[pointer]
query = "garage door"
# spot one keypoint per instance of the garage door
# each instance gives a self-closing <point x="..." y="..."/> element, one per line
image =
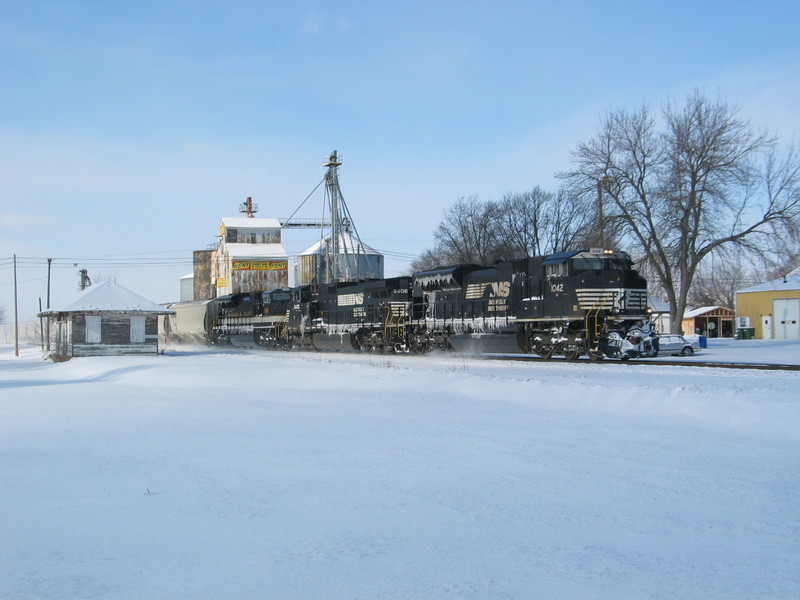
<point x="786" y="322"/>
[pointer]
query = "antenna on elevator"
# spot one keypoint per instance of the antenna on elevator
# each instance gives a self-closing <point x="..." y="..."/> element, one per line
<point x="249" y="208"/>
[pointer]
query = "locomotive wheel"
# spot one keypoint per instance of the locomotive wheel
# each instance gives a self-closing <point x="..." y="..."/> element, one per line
<point x="595" y="356"/>
<point x="361" y="341"/>
<point x="545" y="353"/>
<point x="419" y="347"/>
<point x="572" y="354"/>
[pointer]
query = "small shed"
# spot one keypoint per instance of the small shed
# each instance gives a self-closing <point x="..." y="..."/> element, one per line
<point x="710" y="321"/>
<point x="659" y="314"/>
<point x="105" y="319"/>
<point x="771" y="309"/>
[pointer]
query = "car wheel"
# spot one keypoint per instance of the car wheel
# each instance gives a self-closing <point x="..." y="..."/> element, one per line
<point x="687" y="351"/>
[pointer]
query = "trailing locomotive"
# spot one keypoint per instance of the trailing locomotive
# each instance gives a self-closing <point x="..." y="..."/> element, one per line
<point x="587" y="302"/>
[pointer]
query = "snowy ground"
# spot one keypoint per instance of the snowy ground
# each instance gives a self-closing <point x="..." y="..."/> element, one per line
<point x="746" y="351"/>
<point x="202" y="474"/>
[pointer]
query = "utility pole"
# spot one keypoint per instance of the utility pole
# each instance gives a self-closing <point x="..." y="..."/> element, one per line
<point x="600" y="219"/>
<point x="16" y="314"/>
<point x="41" y="324"/>
<point x="49" y="264"/>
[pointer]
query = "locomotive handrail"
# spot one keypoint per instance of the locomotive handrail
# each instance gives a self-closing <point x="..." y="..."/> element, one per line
<point x="596" y="307"/>
<point x="390" y="323"/>
<point x="282" y="327"/>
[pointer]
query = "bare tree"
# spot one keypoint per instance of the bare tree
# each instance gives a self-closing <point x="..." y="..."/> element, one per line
<point x="427" y="260"/>
<point x="716" y="281"/>
<point x="532" y="223"/>
<point x="469" y="233"/>
<point x="540" y="222"/>
<point x="521" y="220"/>
<point x="106" y="276"/>
<point x="704" y="182"/>
<point x="2" y="314"/>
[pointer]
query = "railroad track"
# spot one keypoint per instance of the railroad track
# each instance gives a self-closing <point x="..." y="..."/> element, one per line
<point x="654" y="363"/>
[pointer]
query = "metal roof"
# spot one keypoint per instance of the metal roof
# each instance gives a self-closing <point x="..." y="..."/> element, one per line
<point x="109" y="296"/>
<point x="239" y="250"/>
<point x="699" y="312"/>
<point x="559" y="257"/>
<point x="254" y="223"/>
<point x="790" y="282"/>
<point x="347" y="243"/>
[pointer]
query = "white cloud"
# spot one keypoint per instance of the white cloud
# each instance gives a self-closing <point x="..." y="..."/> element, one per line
<point x="312" y="25"/>
<point x="18" y="220"/>
<point x="317" y="24"/>
<point x="343" y="24"/>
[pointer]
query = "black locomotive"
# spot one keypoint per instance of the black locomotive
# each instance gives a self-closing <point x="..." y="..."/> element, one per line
<point x="587" y="302"/>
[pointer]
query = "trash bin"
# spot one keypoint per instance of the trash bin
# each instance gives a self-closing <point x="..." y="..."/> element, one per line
<point x="703" y="341"/>
<point x="745" y="333"/>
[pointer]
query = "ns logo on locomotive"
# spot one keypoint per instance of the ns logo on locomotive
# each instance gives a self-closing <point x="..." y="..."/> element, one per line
<point x="588" y="302"/>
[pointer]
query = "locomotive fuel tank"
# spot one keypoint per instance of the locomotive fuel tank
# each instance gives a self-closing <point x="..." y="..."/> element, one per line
<point x="500" y="342"/>
<point x="335" y="341"/>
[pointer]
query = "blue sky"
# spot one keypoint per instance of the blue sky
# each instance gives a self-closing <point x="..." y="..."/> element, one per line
<point x="128" y="129"/>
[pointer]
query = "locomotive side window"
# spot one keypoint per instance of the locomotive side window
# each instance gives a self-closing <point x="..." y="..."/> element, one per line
<point x="556" y="270"/>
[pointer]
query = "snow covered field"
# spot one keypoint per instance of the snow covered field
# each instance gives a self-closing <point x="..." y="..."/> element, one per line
<point x="231" y="474"/>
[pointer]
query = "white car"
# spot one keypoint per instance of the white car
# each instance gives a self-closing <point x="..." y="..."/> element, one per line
<point x="675" y="345"/>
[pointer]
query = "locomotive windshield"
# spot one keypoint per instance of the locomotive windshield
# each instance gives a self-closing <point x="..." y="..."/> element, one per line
<point x="588" y="264"/>
<point x="600" y="264"/>
<point x="618" y="264"/>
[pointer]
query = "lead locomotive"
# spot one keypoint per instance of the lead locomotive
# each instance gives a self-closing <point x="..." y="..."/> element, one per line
<point x="582" y="303"/>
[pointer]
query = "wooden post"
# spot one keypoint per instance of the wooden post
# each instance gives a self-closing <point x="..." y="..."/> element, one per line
<point x="49" y="264"/>
<point x="41" y="324"/>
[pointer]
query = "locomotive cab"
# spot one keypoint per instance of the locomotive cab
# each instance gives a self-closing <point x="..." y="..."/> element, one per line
<point x="580" y="302"/>
<point x="606" y="280"/>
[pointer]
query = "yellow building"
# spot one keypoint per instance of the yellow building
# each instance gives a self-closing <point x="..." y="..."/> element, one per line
<point x="771" y="309"/>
